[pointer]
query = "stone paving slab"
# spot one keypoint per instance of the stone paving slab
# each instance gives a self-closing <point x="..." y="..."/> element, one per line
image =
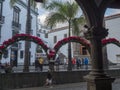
<point x="72" y="86"/>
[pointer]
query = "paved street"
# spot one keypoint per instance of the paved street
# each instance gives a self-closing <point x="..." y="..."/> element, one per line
<point x="72" y="86"/>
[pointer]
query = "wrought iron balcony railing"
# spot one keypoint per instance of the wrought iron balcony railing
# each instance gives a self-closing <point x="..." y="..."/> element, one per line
<point x="16" y="25"/>
<point x="15" y="46"/>
<point x="2" y="19"/>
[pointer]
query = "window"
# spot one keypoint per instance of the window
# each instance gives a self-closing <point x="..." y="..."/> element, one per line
<point x="55" y="39"/>
<point x="2" y="18"/>
<point x="65" y="35"/>
<point x="16" y="12"/>
<point x="1" y="6"/>
<point x="84" y="51"/>
<point x="5" y="54"/>
<point x="21" y="54"/>
<point x="38" y="35"/>
<point x="46" y="35"/>
<point x="20" y="45"/>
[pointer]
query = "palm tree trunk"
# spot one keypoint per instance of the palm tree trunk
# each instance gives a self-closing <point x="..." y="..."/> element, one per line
<point x="69" y="50"/>
<point x="28" y="28"/>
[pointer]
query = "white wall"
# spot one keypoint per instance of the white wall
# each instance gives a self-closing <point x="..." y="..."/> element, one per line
<point x="114" y="32"/>
<point x="60" y="36"/>
<point x="6" y="31"/>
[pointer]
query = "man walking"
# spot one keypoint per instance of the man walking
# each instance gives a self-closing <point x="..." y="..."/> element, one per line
<point x="41" y="63"/>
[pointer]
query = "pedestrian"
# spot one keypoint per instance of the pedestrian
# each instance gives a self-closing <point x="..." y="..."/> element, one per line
<point x="78" y="63"/>
<point x="86" y="63"/>
<point x="8" y="68"/>
<point x="82" y="63"/>
<point x="65" y="62"/>
<point x="57" y="62"/>
<point x="41" y="63"/>
<point x="49" y="79"/>
<point x="36" y="64"/>
<point x="73" y="62"/>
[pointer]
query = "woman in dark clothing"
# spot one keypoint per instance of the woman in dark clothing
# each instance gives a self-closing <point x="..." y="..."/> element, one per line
<point x="49" y="79"/>
<point x="36" y="65"/>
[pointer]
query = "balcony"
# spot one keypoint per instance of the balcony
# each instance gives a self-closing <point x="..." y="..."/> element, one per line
<point x="2" y="19"/>
<point x="15" y="46"/>
<point x="16" y="25"/>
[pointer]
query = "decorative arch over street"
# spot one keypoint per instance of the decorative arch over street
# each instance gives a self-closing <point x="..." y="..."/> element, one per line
<point x="110" y="41"/>
<point x="51" y="53"/>
<point x="20" y="37"/>
<point x="76" y="39"/>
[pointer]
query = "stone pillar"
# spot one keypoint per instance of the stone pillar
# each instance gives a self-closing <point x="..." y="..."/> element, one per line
<point x="105" y="58"/>
<point x="97" y="79"/>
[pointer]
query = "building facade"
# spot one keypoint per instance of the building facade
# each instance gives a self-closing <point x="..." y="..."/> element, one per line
<point x="113" y="51"/>
<point x="77" y="50"/>
<point x="112" y="22"/>
<point x="13" y="21"/>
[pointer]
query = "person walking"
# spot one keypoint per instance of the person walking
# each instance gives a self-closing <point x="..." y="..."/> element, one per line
<point x="78" y="63"/>
<point x="49" y="79"/>
<point x="73" y="62"/>
<point x="86" y="63"/>
<point x="65" y="62"/>
<point x="36" y="64"/>
<point x="41" y="63"/>
<point x="57" y="62"/>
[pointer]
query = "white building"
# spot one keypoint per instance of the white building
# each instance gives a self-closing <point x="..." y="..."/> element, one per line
<point x="113" y="24"/>
<point x="56" y="35"/>
<point x="13" y="21"/>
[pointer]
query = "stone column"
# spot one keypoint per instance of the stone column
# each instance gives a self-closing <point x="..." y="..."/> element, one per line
<point x="97" y="79"/>
<point x="105" y="58"/>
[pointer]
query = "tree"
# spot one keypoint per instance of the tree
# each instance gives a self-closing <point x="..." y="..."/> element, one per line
<point x="28" y="29"/>
<point x="64" y="12"/>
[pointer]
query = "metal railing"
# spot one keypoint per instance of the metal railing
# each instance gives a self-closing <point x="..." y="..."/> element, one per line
<point x="16" y="25"/>
<point x="2" y="19"/>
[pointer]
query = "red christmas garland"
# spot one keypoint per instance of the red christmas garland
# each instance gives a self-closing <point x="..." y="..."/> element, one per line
<point x="27" y="37"/>
<point x="52" y="52"/>
<point x="110" y="40"/>
<point x="71" y="39"/>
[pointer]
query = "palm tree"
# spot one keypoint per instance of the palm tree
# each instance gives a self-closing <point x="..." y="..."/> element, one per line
<point x="28" y="28"/>
<point x="64" y="12"/>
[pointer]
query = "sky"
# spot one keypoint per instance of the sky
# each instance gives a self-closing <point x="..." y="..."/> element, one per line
<point x="112" y="11"/>
<point x="43" y="13"/>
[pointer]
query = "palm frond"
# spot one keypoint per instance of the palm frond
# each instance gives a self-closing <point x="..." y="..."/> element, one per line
<point x="33" y="3"/>
<point x="12" y="2"/>
<point x="54" y="18"/>
<point x="54" y="5"/>
<point x="64" y="12"/>
<point x="76" y="25"/>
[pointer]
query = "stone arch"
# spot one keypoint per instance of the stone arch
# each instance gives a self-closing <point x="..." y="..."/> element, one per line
<point x="91" y="10"/>
<point x="21" y="37"/>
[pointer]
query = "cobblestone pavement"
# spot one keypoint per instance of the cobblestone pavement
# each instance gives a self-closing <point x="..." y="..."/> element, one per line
<point x="72" y="86"/>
